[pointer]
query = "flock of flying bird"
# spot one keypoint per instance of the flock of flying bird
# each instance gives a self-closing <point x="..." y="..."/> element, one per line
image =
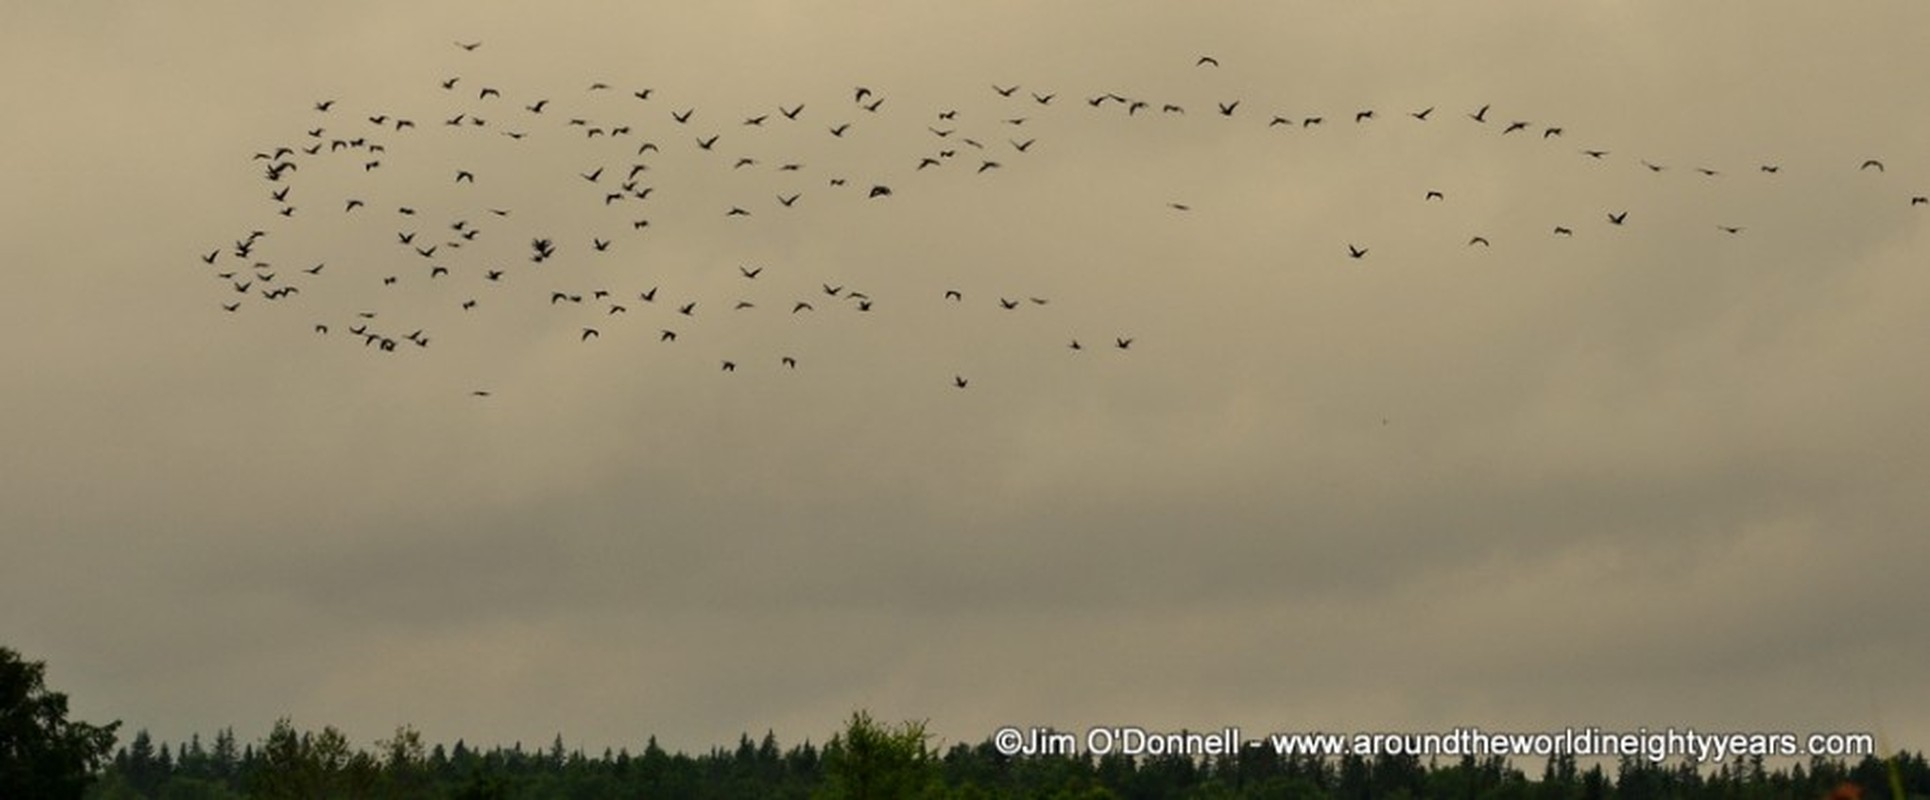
<point x="459" y="252"/>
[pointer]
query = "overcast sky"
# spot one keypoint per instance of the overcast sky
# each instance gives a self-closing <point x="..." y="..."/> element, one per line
<point x="1648" y="474"/>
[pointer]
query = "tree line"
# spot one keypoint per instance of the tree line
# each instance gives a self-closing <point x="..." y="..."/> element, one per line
<point x="44" y="756"/>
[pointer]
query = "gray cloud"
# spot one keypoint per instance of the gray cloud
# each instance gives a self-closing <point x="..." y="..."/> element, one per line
<point x="1647" y="475"/>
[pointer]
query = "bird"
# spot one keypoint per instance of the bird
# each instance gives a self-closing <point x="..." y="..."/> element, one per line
<point x="1872" y="163"/>
<point x="1355" y="252"/>
<point x="791" y="113"/>
<point x="469" y="45"/>
<point x="953" y="294"/>
<point x="1730" y="229"/>
<point x="1226" y="109"/>
<point x="1003" y="91"/>
<point x="667" y="336"/>
<point x="959" y="381"/>
<point x="1561" y="231"/>
<point x="1434" y="195"/>
<point x="587" y="333"/>
<point x="1596" y="154"/>
<point x="880" y="191"/>
<point x="1480" y="240"/>
<point x="1422" y="114"/>
<point x="750" y="273"/>
<point x="1617" y="219"/>
<point x="684" y="116"/>
<point x="1515" y="126"/>
<point x="801" y="306"/>
<point x="1122" y="343"/>
<point x="1480" y="116"/>
<point x="1207" y="61"/>
<point x="687" y="309"/>
<point x="788" y="361"/>
<point x="730" y="366"/>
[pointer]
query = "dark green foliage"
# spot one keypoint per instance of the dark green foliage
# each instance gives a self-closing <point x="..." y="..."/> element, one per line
<point x="42" y="753"/>
<point x="870" y="759"/>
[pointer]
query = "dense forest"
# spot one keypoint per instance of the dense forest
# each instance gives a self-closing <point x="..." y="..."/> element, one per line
<point x="870" y="759"/>
<point x="44" y="756"/>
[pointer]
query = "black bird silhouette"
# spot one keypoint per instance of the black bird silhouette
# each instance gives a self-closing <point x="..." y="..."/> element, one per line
<point x="1003" y="91"/>
<point x="1226" y="109"/>
<point x="1075" y="345"/>
<point x="1362" y="116"/>
<point x="537" y="107"/>
<point x="787" y="200"/>
<point x="1730" y="229"/>
<point x="1434" y="195"/>
<point x="880" y="191"/>
<point x="593" y="176"/>
<point x="488" y="92"/>
<point x="683" y="117"/>
<point x="750" y="273"/>
<point x="953" y="294"/>
<point x="1480" y="116"/>
<point x="1480" y="240"/>
<point x="210" y="257"/>
<point x="1919" y="200"/>
<point x="600" y="244"/>
<point x="234" y="306"/>
<point x="587" y="333"/>
<point x="1561" y="231"/>
<point x="1008" y="304"/>
<point x="1122" y="343"/>
<point x="465" y="175"/>
<point x="1515" y="126"/>
<point x="1207" y="61"/>
<point x="832" y="290"/>
<point x="325" y="105"/>
<point x="469" y="45"/>
<point x="1594" y="153"/>
<point x="667" y="336"/>
<point x="959" y="381"/>
<point x="730" y="366"/>
<point x="1043" y="99"/>
<point x="1617" y="219"/>
<point x="1550" y="132"/>
<point x="1355" y="252"/>
<point x="789" y="362"/>
<point x="451" y="83"/>
<point x="707" y="143"/>
<point x="649" y="296"/>
<point x="791" y="113"/>
<point x="737" y="211"/>
<point x="839" y="130"/>
<point x="873" y="105"/>
<point x="687" y="308"/>
<point x="1421" y="114"/>
<point x="1872" y="163"/>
